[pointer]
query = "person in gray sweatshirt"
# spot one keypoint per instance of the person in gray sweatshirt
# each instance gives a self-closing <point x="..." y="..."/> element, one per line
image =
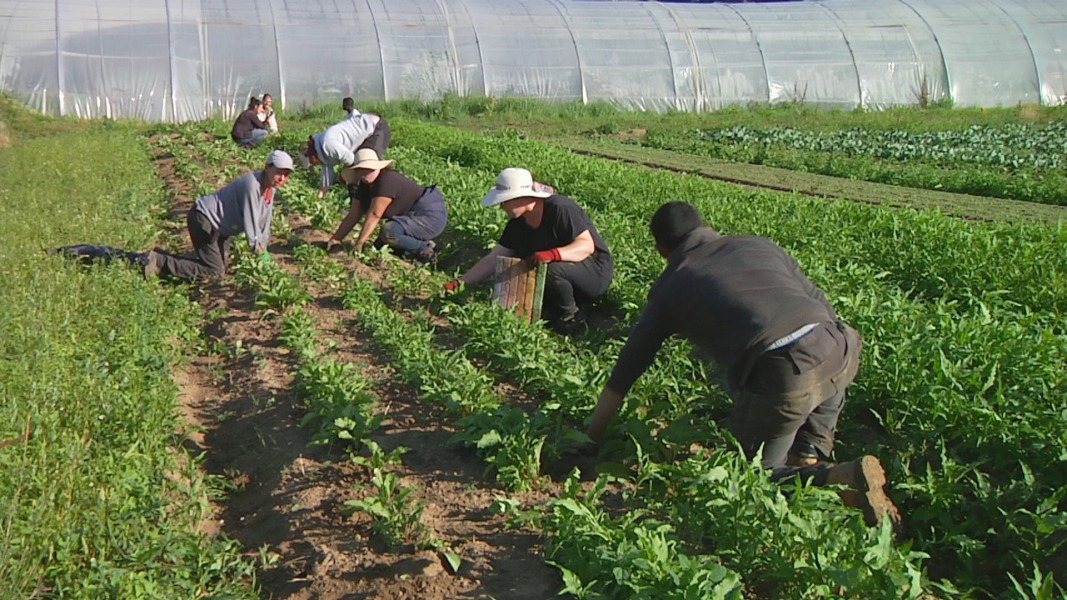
<point x="337" y="146"/>
<point x="245" y="205"/>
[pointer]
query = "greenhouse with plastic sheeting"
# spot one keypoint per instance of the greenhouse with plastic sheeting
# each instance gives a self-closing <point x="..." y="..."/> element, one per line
<point x="171" y="60"/>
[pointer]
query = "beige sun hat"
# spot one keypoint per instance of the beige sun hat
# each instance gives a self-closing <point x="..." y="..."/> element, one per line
<point x="366" y="158"/>
<point x="515" y="182"/>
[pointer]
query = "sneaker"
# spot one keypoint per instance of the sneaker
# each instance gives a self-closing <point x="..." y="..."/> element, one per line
<point x="428" y="254"/>
<point x="866" y="481"/>
<point x="153" y="265"/>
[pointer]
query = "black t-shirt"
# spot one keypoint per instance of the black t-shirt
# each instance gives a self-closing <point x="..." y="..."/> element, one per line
<point x="389" y="184"/>
<point x="563" y="221"/>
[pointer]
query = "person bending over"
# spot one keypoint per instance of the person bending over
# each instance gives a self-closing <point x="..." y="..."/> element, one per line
<point x="410" y="215"/>
<point x="777" y="341"/>
<point x="245" y="205"/>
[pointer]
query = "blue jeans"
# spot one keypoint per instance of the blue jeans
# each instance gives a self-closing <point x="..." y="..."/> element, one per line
<point x="258" y="135"/>
<point x="394" y="236"/>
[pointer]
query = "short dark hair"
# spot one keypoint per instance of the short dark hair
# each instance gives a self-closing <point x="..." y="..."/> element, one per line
<point x="673" y="221"/>
<point x="253" y="102"/>
<point x="348" y="104"/>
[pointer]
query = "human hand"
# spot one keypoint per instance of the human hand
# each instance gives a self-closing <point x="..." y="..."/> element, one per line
<point x="322" y="192"/>
<point x="453" y="285"/>
<point x="545" y="256"/>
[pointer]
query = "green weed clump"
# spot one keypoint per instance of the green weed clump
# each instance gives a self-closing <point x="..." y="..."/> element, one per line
<point x="96" y="501"/>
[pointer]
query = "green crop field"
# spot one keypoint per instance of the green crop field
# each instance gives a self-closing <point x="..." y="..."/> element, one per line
<point x="954" y="270"/>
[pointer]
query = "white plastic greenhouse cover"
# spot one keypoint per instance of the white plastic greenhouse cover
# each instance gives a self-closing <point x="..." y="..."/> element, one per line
<point x="178" y="60"/>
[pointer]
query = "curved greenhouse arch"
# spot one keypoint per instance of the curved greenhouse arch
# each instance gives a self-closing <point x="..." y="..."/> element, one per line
<point x="177" y="61"/>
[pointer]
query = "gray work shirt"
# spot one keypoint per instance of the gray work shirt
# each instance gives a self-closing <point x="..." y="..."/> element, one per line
<point x="730" y="296"/>
<point x="240" y="207"/>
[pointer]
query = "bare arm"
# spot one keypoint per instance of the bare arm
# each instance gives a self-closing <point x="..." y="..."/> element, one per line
<point x="355" y="212"/>
<point x="606" y="406"/>
<point x="580" y="249"/>
<point x="378" y="206"/>
<point x="485" y="267"/>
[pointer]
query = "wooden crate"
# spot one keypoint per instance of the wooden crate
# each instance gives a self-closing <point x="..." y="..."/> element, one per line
<point x="519" y="286"/>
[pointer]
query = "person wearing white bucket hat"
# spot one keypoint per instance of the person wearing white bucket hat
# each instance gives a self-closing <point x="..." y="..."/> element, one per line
<point x="245" y="205"/>
<point x="410" y="214"/>
<point x="547" y="227"/>
<point x="337" y="145"/>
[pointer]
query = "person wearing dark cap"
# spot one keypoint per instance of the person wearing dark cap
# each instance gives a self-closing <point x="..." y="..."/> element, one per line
<point x="785" y="355"/>
<point x="337" y="146"/>
<point x="546" y="227"/>
<point x="249" y="130"/>
<point x="245" y="205"/>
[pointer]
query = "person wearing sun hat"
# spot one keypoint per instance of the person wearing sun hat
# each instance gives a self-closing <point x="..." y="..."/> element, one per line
<point x="245" y="205"/>
<point x="337" y="146"/>
<point x="547" y="227"/>
<point x="411" y="215"/>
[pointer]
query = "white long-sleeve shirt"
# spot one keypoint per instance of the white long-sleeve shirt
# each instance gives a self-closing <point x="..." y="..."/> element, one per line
<point x="338" y="144"/>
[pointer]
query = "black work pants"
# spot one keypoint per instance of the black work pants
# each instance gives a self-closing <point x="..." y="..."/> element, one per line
<point x="379" y="139"/>
<point x="567" y="283"/>
<point x="797" y="393"/>
<point x="212" y="251"/>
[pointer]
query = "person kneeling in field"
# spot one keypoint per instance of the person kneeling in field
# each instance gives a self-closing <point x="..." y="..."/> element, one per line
<point x="786" y="357"/>
<point x="413" y="214"/>
<point x="545" y="227"/>
<point x="337" y="146"/>
<point x="246" y="205"/>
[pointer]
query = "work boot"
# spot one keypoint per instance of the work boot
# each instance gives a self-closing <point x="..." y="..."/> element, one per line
<point x="802" y="454"/>
<point x="866" y="481"/>
<point x="153" y="265"/>
<point x="570" y="325"/>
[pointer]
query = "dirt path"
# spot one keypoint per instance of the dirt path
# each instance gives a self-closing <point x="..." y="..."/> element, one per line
<point x="286" y="503"/>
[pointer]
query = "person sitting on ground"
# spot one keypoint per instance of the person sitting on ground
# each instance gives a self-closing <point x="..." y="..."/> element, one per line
<point x="349" y="106"/>
<point x="248" y="130"/>
<point x="785" y="355"/>
<point x="267" y="116"/>
<point x="546" y="227"/>
<point x="413" y="215"/>
<point x="245" y="205"/>
<point x="337" y="145"/>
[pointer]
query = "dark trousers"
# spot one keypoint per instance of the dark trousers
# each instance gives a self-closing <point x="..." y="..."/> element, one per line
<point x="379" y="139"/>
<point x="212" y="251"/>
<point x="567" y="283"/>
<point x="797" y="393"/>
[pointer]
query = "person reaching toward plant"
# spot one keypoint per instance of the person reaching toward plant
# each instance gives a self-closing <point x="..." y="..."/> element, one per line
<point x="786" y="357"/>
<point x="337" y="146"/>
<point x="411" y="215"/>
<point x="546" y="227"/>
<point x="245" y="205"/>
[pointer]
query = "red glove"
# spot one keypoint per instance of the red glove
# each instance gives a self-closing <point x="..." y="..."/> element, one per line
<point x="452" y="285"/>
<point x="545" y="256"/>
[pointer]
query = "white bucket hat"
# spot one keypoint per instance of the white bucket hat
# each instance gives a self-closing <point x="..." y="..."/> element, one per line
<point x="366" y="158"/>
<point x="515" y="182"/>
